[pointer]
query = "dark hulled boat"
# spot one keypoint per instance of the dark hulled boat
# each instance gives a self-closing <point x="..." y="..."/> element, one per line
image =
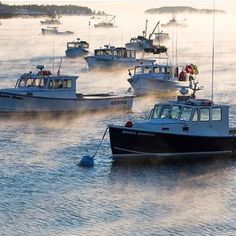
<point x="188" y="127"/>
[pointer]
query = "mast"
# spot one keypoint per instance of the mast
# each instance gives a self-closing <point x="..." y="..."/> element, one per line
<point x="145" y="33"/>
<point x="213" y="54"/>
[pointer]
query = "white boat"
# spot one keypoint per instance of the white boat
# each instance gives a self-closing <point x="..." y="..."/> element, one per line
<point x="144" y="43"/>
<point x="161" y="37"/>
<point x="139" y="43"/>
<point x="76" y="48"/>
<point x="54" y="31"/>
<point x="110" y="56"/>
<point x="154" y="78"/>
<point x="106" y="23"/>
<point x="43" y="92"/>
<point x="174" y="23"/>
<point x="51" y="21"/>
<point x="186" y="128"/>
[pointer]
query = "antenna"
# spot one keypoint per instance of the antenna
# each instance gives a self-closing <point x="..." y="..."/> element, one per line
<point x="213" y="54"/>
<point x="53" y="56"/>
<point x="146" y="29"/>
<point x="176" y="47"/>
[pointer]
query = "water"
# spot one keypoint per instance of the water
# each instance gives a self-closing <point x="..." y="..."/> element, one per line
<point x="45" y="192"/>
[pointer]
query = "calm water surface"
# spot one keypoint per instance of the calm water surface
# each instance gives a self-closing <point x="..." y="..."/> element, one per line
<point x="42" y="189"/>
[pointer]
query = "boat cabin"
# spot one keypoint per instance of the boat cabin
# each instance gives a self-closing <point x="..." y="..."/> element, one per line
<point x="166" y="71"/>
<point x="45" y="84"/>
<point x="116" y="52"/>
<point x="77" y="44"/>
<point x="194" y="116"/>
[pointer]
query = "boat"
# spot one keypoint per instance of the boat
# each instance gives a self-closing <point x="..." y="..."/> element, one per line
<point x="111" y="56"/>
<point x="76" y="48"/>
<point x="54" y="31"/>
<point x="185" y="128"/>
<point x="155" y="78"/>
<point x="43" y="92"/>
<point x="51" y="21"/>
<point x="144" y="43"/>
<point x="161" y="37"/>
<point x="106" y="24"/>
<point x="174" y="23"/>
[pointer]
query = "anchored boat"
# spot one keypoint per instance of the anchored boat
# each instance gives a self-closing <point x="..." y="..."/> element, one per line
<point x="43" y="92"/>
<point x="76" y="48"/>
<point x="174" y="23"/>
<point x="154" y="78"/>
<point x="144" y="43"/>
<point x="54" y="31"/>
<point x="188" y="127"/>
<point x="106" y="24"/>
<point x="111" y="56"/>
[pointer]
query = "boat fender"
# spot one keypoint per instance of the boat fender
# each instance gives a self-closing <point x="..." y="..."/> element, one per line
<point x="129" y="124"/>
<point x="182" y="76"/>
<point x="46" y="72"/>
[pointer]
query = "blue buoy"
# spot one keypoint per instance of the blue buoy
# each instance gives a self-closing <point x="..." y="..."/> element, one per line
<point x="86" y="161"/>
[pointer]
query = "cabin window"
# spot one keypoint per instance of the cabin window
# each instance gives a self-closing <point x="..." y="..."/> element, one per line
<point x="186" y="114"/>
<point x="216" y="114"/>
<point x="165" y="112"/>
<point x="175" y="111"/>
<point x="157" y="70"/>
<point x="109" y="52"/>
<point x="50" y="84"/>
<point x="22" y="83"/>
<point x="36" y="82"/>
<point x="128" y="54"/>
<point x="195" y="116"/>
<point x="132" y="54"/>
<point x="138" y="70"/>
<point x="29" y="83"/>
<point x="204" y="114"/>
<point x="57" y="84"/>
<point x="147" y="70"/>
<point x="67" y="83"/>
<point x="156" y="112"/>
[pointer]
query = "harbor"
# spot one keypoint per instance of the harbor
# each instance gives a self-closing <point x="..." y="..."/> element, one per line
<point x="44" y="190"/>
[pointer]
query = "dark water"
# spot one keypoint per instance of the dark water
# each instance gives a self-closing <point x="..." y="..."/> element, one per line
<point x="42" y="189"/>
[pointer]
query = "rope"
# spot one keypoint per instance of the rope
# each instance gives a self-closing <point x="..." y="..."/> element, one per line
<point x="100" y="142"/>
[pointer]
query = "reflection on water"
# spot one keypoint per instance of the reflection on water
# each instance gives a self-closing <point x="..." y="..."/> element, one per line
<point x="45" y="192"/>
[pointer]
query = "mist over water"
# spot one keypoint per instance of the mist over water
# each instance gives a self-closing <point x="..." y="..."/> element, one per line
<point x="45" y="192"/>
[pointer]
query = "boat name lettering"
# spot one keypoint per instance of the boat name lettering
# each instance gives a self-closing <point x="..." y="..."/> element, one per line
<point x="119" y="102"/>
<point x="129" y="132"/>
<point x="146" y="134"/>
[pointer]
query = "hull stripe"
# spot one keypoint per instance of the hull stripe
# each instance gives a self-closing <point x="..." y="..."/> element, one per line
<point x="132" y="152"/>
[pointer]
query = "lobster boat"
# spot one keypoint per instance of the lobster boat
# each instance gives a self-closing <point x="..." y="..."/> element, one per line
<point x="54" y="31"/>
<point x="111" y="56"/>
<point x="163" y="77"/>
<point x="43" y="92"/>
<point x="76" y="48"/>
<point x="186" y="128"/>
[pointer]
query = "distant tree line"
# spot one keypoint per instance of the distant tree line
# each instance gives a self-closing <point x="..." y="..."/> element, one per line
<point x="38" y="10"/>
<point x="181" y="9"/>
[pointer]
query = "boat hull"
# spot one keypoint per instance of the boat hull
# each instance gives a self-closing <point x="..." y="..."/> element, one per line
<point x="131" y="144"/>
<point x="14" y="103"/>
<point x="104" y="62"/>
<point x="76" y="52"/>
<point x="55" y="32"/>
<point x="146" y="85"/>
